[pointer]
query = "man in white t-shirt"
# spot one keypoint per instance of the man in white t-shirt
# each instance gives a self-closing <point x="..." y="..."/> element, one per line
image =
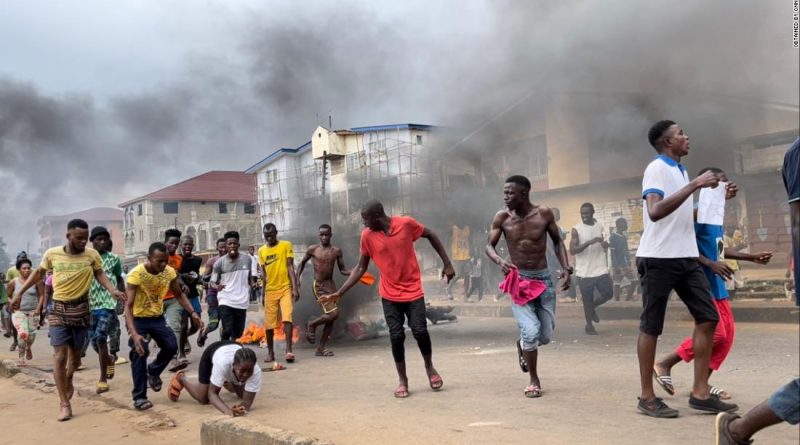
<point x="224" y="364"/>
<point x="232" y="276"/>
<point x="589" y="246"/>
<point x="667" y="260"/>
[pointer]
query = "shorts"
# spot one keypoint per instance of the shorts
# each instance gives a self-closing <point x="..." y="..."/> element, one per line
<point x="537" y="318"/>
<point x="195" y="302"/>
<point x="325" y="288"/>
<point x="173" y="314"/>
<point x="101" y="325"/>
<point x="461" y="268"/>
<point x="72" y="336"/>
<point x="736" y="281"/>
<point x="206" y="361"/>
<point x="659" y="276"/>
<point x="277" y="299"/>
<point x="785" y="402"/>
<point x="722" y="341"/>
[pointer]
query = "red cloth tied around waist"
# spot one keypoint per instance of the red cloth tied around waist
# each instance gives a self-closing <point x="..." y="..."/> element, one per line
<point x="522" y="291"/>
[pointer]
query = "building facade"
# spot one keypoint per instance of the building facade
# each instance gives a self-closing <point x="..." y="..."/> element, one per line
<point x="53" y="229"/>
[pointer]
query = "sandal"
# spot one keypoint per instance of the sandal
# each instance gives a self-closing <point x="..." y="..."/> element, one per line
<point x="401" y="392"/>
<point x="111" y="370"/>
<point x="101" y="387"/>
<point x="665" y="382"/>
<point x="13" y="347"/>
<point x="155" y="382"/>
<point x="175" y="386"/>
<point x="178" y="365"/>
<point x="290" y="357"/>
<point x="522" y="364"/>
<point x="325" y="353"/>
<point x="275" y="367"/>
<point x="533" y="391"/>
<point x="721" y="393"/>
<point x="436" y="382"/>
<point x="142" y="404"/>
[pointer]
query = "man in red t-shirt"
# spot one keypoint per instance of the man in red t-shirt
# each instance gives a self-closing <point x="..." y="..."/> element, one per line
<point x="389" y="241"/>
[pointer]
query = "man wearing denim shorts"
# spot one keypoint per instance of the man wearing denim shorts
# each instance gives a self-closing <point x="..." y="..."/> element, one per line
<point x="74" y="268"/>
<point x="526" y="226"/>
<point x="104" y="306"/>
<point x="667" y="260"/>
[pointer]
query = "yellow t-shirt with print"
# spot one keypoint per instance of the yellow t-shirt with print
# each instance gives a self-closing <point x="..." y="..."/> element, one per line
<point x="150" y="290"/>
<point x="72" y="274"/>
<point x="274" y="260"/>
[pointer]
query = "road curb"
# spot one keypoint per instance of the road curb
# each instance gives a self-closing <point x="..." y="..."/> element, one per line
<point x="244" y="432"/>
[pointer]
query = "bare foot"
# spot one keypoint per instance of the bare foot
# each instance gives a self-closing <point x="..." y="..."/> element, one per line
<point x="70" y="389"/>
<point x="270" y="358"/>
<point x="65" y="413"/>
<point x="29" y="354"/>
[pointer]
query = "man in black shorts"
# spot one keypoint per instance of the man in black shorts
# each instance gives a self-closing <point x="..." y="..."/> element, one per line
<point x="667" y="260"/>
<point x="224" y="364"/>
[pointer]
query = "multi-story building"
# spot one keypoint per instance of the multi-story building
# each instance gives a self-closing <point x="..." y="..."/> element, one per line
<point x="53" y="228"/>
<point x="205" y="207"/>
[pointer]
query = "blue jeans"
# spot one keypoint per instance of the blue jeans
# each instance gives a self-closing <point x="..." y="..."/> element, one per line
<point x="158" y="331"/>
<point x="537" y="318"/>
<point x="101" y="325"/>
<point x="785" y="402"/>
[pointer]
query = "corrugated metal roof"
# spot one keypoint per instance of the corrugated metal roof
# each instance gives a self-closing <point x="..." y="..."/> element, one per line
<point x="93" y="214"/>
<point x="210" y="186"/>
<point x="276" y="155"/>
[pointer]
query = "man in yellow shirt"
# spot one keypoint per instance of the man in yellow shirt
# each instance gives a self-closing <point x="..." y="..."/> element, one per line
<point x="276" y="259"/>
<point x="148" y="284"/>
<point x="74" y="268"/>
<point x="460" y="254"/>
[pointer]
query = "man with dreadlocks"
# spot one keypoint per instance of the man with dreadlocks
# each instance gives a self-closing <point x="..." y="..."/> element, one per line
<point x="224" y="364"/>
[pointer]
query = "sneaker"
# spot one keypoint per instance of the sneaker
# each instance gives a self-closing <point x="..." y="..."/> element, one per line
<point x="657" y="408"/>
<point x="590" y="330"/>
<point x="723" y="432"/>
<point x="712" y="404"/>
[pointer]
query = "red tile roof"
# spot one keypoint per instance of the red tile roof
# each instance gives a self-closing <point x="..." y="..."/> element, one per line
<point x="94" y="214"/>
<point x="211" y="186"/>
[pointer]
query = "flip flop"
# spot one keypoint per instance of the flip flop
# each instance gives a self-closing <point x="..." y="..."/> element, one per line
<point x="522" y="364"/>
<point x="533" y="391"/>
<point x="436" y="382"/>
<point x="101" y="387"/>
<point x="142" y="404"/>
<point x="311" y="335"/>
<point x="721" y="393"/>
<point x="325" y="353"/>
<point x="290" y="357"/>
<point x="401" y="392"/>
<point x="275" y="367"/>
<point x="175" y="387"/>
<point x="665" y="382"/>
<point x="121" y="360"/>
<point x="179" y="365"/>
<point x="110" y="370"/>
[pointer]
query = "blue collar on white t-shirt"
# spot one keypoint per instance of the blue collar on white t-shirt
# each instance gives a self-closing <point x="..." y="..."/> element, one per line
<point x="671" y="162"/>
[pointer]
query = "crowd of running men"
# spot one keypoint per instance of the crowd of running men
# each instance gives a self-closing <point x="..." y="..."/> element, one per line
<point x="81" y="292"/>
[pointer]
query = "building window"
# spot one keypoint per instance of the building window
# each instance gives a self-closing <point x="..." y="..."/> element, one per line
<point x="337" y="166"/>
<point x="356" y="160"/>
<point x="272" y="176"/>
<point x="223" y="207"/>
<point x="170" y="208"/>
<point x="249" y="209"/>
<point x="419" y="139"/>
<point x="139" y="210"/>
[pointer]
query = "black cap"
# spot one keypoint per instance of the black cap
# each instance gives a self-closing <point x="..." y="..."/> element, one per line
<point x="97" y="231"/>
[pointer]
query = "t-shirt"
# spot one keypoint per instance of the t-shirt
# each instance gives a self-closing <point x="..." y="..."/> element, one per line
<point x="222" y="369"/>
<point x="620" y="255"/>
<point x="729" y="242"/>
<point x="592" y="261"/>
<point x="192" y="264"/>
<point x="274" y="260"/>
<point x="235" y="275"/>
<point x="711" y="246"/>
<point x="459" y="244"/>
<point x="3" y="293"/>
<point x="175" y="262"/>
<point x="99" y="297"/>
<point x="72" y="274"/>
<point x="12" y="273"/>
<point x="396" y="258"/>
<point x="151" y="290"/>
<point x="672" y="236"/>
<point x="791" y="180"/>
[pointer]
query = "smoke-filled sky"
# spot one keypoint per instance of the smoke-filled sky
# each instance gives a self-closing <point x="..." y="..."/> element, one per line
<point x="103" y="101"/>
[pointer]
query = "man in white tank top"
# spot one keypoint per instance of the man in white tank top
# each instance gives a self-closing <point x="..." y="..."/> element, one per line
<point x="589" y="246"/>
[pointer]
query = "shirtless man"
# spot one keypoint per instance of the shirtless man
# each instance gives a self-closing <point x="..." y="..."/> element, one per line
<point x="325" y="256"/>
<point x="525" y="227"/>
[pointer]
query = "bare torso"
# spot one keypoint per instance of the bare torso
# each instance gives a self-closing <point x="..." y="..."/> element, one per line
<point x="324" y="260"/>
<point x="526" y="237"/>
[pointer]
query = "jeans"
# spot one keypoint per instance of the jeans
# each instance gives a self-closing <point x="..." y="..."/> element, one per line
<point x="114" y="332"/>
<point x="158" y="331"/>
<point x="604" y="286"/>
<point x="395" y="314"/>
<point x="537" y="318"/>
<point x="232" y="322"/>
<point x="101" y="325"/>
<point x="785" y="402"/>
